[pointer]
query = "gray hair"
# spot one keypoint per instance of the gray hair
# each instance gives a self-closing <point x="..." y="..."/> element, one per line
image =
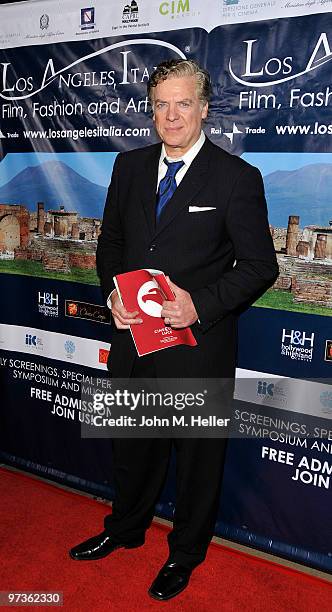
<point x="181" y="68"/>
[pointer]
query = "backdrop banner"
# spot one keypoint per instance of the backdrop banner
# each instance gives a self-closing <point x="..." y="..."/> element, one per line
<point x="73" y="95"/>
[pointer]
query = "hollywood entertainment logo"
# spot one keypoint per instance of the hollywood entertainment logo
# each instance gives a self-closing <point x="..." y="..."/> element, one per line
<point x="48" y="304"/>
<point x="88" y="18"/>
<point x="297" y="345"/>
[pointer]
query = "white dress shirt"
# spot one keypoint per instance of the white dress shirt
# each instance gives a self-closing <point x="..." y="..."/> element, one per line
<point x="187" y="158"/>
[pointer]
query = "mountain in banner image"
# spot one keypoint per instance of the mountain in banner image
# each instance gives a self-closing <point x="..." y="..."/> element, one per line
<point x="55" y="184"/>
<point x="306" y="192"/>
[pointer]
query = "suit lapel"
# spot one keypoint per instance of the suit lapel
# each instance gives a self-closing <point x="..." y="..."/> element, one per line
<point x="192" y="182"/>
<point x="149" y="187"/>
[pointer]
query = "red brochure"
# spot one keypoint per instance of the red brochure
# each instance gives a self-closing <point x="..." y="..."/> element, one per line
<point x="145" y="291"/>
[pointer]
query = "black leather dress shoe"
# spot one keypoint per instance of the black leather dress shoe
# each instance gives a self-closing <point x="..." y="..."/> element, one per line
<point x="171" y="580"/>
<point x="98" y="547"/>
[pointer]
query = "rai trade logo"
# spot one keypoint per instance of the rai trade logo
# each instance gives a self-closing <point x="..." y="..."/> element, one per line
<point x="103" y="355"/>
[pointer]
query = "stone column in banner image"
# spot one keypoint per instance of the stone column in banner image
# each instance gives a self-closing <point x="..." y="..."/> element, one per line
<point x="292" y="234"/>
<point x="40" y="218"/>
<point x="75" y="231"/>
<point x="302" y="249"/>
<point x="320" y="246"/>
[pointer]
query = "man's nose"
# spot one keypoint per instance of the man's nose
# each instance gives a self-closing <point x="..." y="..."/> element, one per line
<point x="172" y="112"/>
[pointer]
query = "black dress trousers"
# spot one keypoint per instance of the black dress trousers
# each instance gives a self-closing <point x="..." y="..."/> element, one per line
<point x="140" y="469"/>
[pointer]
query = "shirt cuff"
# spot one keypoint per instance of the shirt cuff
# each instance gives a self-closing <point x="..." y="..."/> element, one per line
<point x="109" y="301"/>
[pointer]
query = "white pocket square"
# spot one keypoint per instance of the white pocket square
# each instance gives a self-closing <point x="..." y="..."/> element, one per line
<point x="200" y="208"/>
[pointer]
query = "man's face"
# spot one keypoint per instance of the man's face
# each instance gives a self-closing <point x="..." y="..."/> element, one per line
<point x="178" y="113"/>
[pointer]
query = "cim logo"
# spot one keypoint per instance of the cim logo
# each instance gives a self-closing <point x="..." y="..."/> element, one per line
<point x="150" y="299"/>
<point x="175" y="7"/>
<point x="277" y="69"/>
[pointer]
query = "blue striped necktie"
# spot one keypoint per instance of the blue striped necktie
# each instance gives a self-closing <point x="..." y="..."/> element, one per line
<point x="167" y="185"/>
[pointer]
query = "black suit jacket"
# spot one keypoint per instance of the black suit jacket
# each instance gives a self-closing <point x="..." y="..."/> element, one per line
<point x="224" y="257"/>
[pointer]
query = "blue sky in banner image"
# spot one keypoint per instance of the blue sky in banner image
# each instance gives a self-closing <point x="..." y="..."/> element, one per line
<point x="77" y="181"/>
<point x="296" y="184"/>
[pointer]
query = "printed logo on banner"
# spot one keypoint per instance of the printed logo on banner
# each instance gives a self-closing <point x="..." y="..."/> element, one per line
<point x="328" y="350"/>
<point x="2" y="134"/>
<point x="175" y="9"/>
<point x="266" y="71"/>
<point x="130" y="13"/>
<point x="85" y="310"/>
<point x="103" y="355"/>
<point x="265" y="388"/>
<point x="271" y="393"/>
<point x="259" y="130"/>
<point x="227" y="2"/>
<point x="69" y="348"/>
<point x="26" y="87"/>
<point x="88" y="18"/>
<point x="230" y="135"/>
<point x="297" y="344"/>
<point x="326" y="401"/>
<point x="33" y="341"/>
<point x="48" y="304"/>
<point x="44" y="22"/>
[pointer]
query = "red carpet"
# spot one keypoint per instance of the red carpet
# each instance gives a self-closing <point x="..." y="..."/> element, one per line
<point x="39" y="523"/>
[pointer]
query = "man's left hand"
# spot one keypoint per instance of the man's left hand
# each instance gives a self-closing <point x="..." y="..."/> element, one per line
<point x="181" y="312"/>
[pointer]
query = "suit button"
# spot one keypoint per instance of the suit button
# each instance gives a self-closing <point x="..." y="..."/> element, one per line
<point x="152" y="247"/>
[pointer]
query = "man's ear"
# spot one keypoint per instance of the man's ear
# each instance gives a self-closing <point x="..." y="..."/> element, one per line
<point x="205" y="109"/>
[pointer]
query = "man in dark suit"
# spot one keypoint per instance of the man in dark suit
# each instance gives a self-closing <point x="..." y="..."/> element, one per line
<point x="195" y="212"/>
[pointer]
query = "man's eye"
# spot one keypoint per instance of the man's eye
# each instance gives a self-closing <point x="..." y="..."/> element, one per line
<point x="184" y="104"/>
<point x="160" y="105"/>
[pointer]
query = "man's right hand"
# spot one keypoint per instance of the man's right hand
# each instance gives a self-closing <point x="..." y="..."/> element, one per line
<point x="122" y="317"/>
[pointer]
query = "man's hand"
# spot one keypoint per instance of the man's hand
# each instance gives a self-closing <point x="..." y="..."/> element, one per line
<point x="122" y="317"/>
<point x="181" y="312"/>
